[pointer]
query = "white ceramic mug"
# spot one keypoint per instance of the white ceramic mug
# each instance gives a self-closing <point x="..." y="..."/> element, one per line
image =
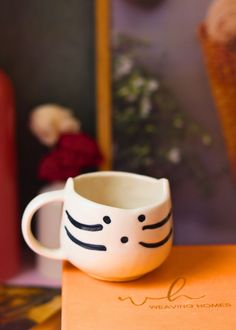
<point x="116" y="226"/>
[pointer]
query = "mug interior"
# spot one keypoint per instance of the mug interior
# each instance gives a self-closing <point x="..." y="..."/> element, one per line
<point x="121" y="189"/>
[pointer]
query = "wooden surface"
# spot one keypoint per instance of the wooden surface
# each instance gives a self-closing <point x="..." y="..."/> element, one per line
<point x="103" y="80"/>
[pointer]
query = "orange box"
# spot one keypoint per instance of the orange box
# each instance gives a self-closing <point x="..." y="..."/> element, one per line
<point x="194" y="289"/>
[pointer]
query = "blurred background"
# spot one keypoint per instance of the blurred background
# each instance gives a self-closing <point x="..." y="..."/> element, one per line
<point x="171" y="99"/>
<point x="164" y="42"/>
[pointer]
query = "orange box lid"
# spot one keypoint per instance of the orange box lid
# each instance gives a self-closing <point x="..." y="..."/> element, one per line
<point x="194" y="289"/>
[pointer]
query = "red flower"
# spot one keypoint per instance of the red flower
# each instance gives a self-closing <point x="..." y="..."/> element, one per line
<point x="73" y="153"/>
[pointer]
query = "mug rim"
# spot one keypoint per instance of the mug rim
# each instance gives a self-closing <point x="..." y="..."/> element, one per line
<point x="166" y="190"/>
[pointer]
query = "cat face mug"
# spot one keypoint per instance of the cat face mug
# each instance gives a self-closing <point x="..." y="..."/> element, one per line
<point x="115" y="226"/>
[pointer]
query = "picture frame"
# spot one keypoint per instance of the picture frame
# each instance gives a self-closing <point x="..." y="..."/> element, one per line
<point x="103" y="81"/>
<point x="64" y="58"/>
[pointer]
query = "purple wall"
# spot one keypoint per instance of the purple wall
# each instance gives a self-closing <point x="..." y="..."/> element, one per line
<point x="175" y="54"/>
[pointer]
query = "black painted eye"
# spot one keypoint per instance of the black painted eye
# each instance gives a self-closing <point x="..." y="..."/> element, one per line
<point x="107" y="219"/>
<point x="141" y="217"/>
<point x="124" y="239"/>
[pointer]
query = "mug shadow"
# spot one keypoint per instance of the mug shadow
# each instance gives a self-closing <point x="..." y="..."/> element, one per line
<point x="189" y="262"/>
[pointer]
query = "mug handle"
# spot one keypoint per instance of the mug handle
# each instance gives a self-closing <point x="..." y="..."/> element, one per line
<point x="31" y="208"/>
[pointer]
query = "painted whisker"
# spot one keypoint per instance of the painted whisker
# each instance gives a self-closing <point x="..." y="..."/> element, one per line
<point x="157" y="244"/>
<point x="83" y="226"/>
<point x="83" y="244"/>
<point x="160" y="223"/>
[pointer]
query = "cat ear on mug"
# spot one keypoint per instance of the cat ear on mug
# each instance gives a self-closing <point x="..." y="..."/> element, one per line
<point x="165" y="189"/>
<point x="69" y="184"/>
